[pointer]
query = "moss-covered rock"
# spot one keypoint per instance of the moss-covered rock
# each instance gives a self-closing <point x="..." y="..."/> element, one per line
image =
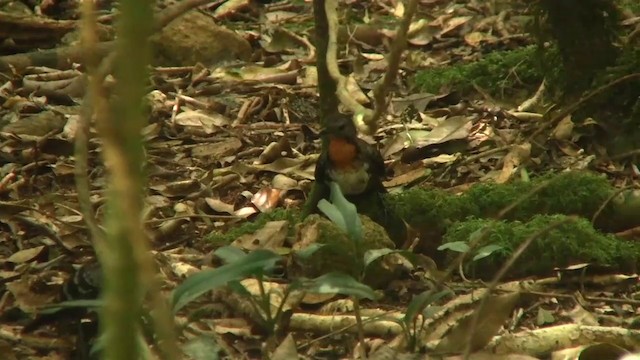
<point x="568" y="242"/>
<point x="571" y="193"/>
<point x="498" y="73"/>
<point x="338" y="252"/>
<point x="222" y="238"/>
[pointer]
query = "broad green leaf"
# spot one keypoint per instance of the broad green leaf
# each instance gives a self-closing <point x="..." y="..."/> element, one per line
<point x="475" y="236"/>
<point x="431" y="310"/>
<point x="255" y="263"/>
<point x="348" y="210"/>
<point x="419" y="302"/>
<point x="458" y="246"/>
<point x="332" y="212"/>
<point x="203" y="348"/>
<point x="339" y="283"/>
<point x="89" y="304"/>
<point x="98" y="346"/>
<point x="485" y="251"/>
<point x="305" y="253"/>
<point x="229" y="254"/>
<point x="237" y="288"/>
<point x="372" y="255"/>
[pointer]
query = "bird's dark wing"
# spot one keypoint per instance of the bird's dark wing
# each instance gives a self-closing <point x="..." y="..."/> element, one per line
<point x="321" y="189"/>
<point x="376" y="163"/>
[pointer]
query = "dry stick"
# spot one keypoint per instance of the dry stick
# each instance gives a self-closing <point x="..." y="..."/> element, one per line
<point x="397" y="47"/>
<point x="164" y="324"/>
<point x="606" y="202"/>
<point x="130" y="265"/>
<point x="525" y="244"/>
<point x="95" y="96"/>
<point x="380" y="92"/>
<point x="332" y="62"/>
<point x="485" y="232"/>
<point x="458" y="260"/>
<point x="66" y="56"/>
<point x="562" y="114"/>
<point x="162" y="318"/>
<point x="494" y="282"/>
<point x="162" y="19"/>
<point x="625" y="154"/>
<point x="328" y="102"/>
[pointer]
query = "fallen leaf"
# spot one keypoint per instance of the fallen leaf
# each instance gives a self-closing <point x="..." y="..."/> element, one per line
<point x="271" y="236"/>
<point x="26" y="255"/>
<point x="518" y="155"/>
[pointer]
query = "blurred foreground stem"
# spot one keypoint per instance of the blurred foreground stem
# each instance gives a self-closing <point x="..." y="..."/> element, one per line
<point x="127" y="261"/>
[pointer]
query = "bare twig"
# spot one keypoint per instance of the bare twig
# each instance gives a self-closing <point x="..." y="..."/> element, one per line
<point x="332" y="62"/>
<point x="397" y="47"/>
<point x="95" y="99"/>
<point x="607" y="201"/>
<point x="500" y="274"/>
<point x="128" y="262"/>
<point x="562" y="114"/>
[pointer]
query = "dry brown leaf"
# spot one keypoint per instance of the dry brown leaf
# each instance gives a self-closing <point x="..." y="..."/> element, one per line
<point x="26" y="255"/>
<point x="210" y="123"/>
<point x="495" y="312"/>
<point x="518" y="155"/>
<point x="286" y="350"/>
<point x="266" y="199"/>
<point x="219" y="205"/>
<point x="284" y="182"/>
<point x="217" y="150"/>
<point x="271" y="236"/>
<point x="273" y="151"/>
<point x="178" y="188"/>
<point x="564" y="129"/>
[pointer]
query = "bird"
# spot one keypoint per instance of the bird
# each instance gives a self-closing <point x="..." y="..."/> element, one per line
<point x="84" y="284"/>
<point x="358" y="169"/>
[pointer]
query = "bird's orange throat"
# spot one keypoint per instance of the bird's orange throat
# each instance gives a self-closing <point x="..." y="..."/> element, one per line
<point x="342" y="153"/>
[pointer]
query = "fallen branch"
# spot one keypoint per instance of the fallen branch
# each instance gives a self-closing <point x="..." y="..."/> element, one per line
<point x="64" y="57"/>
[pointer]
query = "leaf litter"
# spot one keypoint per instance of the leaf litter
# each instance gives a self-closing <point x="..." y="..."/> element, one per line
<point x="227" y="143"/>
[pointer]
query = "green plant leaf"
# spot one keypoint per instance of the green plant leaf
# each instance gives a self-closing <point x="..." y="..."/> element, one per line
<point x="229" y="253"/>
<point x="420" y="302"/>
<point x="255" y="263"/>
<point x="431" y="310"/>
<point x="88" y="304"/>
<point x="474" y="238"/>
<point x="485" y="251"/>
<point x="203" y="348"/>
<point x="372" y="255"/>
<point x="305" y="253"/>
<point x="348" y="210"/>
<point x="237" y="288"/>
<point x="333" y="213"/>
<point x="339" y="283"/>
<point x="457" y="246"/>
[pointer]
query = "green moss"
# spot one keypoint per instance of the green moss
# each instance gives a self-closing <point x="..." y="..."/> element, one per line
<point x="340" y="252"/>
<point x="491" y="198"/>
<point x="631" y="5"/>
<point x="573" y="193"/>
<point x="570" y="193"/>
<point x="428" y="208"/>
<point x="226" y="237"/>
<point x="566" y="244"/>
<point x="584" y="32"/>
<point x="497" y="72"/>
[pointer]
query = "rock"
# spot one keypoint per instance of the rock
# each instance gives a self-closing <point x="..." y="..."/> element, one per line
<point x="339" y="252"/>
<point x="196" y="38"/>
